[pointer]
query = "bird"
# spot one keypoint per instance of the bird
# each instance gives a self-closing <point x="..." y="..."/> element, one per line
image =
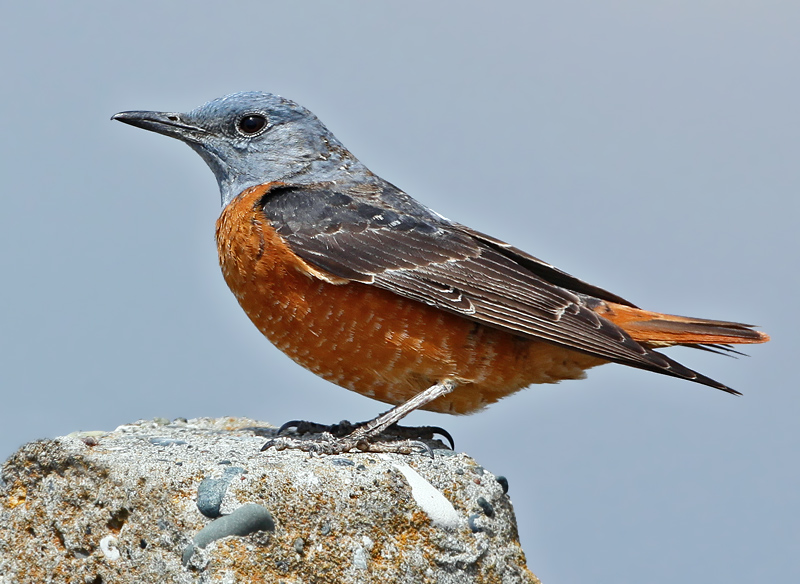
<point x="368" y="288"/>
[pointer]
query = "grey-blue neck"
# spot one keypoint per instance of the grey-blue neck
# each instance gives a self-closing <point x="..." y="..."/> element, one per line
<point x="285" y="155"/>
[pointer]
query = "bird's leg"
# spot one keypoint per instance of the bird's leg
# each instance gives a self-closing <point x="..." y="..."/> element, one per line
<point x="374" y="427"/>
<point x="365" y="436"/>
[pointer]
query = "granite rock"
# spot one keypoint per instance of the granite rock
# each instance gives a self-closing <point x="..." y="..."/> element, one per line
<point x="122" y="507"/>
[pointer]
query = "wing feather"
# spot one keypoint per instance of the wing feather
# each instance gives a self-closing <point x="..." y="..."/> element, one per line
<point x="384" y="238"/>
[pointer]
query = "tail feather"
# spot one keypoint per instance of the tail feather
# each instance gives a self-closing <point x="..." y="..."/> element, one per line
<point x="677" y="370"/>
<point x="659" y="330"/>
<point x="726" y="350"/>
<point x="654" y="330"/>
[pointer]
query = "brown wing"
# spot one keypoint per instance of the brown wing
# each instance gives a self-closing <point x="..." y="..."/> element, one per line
<point x="382" y="237"/>
<point x="546" y="271"/>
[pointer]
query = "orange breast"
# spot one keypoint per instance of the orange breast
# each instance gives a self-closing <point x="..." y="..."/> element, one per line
<point x="370" y="340"/>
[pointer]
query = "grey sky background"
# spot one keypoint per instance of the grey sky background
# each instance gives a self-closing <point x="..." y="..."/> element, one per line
<point x="652" y="150"/>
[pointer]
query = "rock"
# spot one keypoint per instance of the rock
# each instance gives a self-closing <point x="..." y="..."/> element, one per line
<point x="130" y="506"/>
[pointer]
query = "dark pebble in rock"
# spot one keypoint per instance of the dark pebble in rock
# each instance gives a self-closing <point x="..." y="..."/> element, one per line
<point x="247" y="519"/>
<point x="486" y="507"/>
<point x="341" y="461"/>
<point x="503" y="483"/>
<point x="472" y="525"/>
<point x="299" y="544"/>
<point x="211" y="492"/>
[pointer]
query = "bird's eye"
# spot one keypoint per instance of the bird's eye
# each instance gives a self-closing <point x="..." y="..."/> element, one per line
<point x="251" y="124"/>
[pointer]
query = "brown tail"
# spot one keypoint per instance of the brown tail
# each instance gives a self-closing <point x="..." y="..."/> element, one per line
<point x="661" y="330"/>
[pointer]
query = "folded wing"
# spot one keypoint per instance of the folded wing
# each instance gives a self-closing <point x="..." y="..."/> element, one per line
<point x="382" y="237"/>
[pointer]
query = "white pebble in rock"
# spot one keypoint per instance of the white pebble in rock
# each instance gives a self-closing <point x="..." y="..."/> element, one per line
<point x="429" y="498"/>
<point x="360" y="558"/>
<point x="108" y="545"/>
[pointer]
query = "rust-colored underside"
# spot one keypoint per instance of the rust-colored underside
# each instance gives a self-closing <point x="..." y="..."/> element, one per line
<point x="390" y="348"/>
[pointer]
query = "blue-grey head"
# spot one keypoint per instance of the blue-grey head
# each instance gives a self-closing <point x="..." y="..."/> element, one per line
<point x="252" y="138"/>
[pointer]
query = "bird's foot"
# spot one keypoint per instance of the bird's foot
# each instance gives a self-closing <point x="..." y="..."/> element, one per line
<point x="327" y="443"/>
<point x="346" y="428"/>
<point x="346" y="436"/>
<point x="381" y="434"/>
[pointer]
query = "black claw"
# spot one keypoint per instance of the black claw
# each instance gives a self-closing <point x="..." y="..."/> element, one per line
<point x="446" y="434"/>
<point x="427" y="432"/>
<point x="424" y="446"/>
<point x="287" y="425"/>
<point x="425" y="449"/>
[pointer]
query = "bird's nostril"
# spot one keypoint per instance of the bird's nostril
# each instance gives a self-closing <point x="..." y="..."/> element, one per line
<point x="172" y="118"/>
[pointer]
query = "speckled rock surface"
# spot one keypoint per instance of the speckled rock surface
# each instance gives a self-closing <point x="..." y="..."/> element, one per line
<point x="122" y="507"/>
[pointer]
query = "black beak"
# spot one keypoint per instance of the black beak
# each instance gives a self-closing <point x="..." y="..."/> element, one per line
<point x="169" y="124"/>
